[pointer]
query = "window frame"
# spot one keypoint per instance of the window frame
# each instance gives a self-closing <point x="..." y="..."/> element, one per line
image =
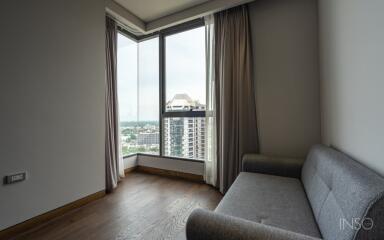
<point x="162" y="34"/>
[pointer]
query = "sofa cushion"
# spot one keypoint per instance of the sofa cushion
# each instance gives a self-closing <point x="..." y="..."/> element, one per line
<point x="342" y="191"/>
<point x="272" y="200"/>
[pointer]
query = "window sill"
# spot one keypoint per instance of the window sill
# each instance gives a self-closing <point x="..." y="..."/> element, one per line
<point x="168" y="157"/>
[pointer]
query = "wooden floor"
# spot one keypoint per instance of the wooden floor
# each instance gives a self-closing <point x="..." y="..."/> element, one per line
<point x="144" y="206"/>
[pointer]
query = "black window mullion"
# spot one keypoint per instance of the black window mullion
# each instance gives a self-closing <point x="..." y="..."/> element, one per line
<point x="162" y="90"/>
<point x="187" y="114"/>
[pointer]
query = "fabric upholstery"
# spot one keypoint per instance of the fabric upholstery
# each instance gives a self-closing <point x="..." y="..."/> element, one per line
<point x="207" y="225"/>
<point x="113" y="162"/>
<point x="341" y="190"/>
<point x="210" y="146"/>
<point x="235" y="95"/>
<point x="271" y="200"/>
<point x="338" y="199"/>
<point x="285" y="167"/>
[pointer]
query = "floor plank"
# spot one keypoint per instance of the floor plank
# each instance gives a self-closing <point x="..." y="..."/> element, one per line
<point x="144" y="206"/>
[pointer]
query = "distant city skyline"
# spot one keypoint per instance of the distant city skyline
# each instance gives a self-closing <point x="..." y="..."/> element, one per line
<point x="182" y="136"/>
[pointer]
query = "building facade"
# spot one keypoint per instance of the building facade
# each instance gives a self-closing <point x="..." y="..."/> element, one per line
<point x="148" y="138"/>
<point x="184" y="136"/>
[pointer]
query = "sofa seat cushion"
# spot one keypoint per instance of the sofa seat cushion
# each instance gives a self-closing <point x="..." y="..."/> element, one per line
<point x="271" y="200"/>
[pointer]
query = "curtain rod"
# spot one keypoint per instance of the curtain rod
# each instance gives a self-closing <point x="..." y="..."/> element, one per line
<point x="124" y="26"/>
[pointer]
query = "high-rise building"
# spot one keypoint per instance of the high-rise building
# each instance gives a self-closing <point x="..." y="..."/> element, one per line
<point x="148" y="138"/>
<point x="184" y="136"/>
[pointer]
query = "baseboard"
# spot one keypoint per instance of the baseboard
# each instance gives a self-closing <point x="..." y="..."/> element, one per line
<point x="170" y="173"/>
<point x="45" y="217"/>
<point x="128" y="170"/>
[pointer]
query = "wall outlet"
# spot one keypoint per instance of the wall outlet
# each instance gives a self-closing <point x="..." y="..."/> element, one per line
<point x="14" y="178"/>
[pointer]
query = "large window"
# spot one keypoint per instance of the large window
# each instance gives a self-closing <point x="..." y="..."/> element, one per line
<point x="162" y="96"/>
<point x="185" y="68"/>
<point x="138" y="93"/>
<point x="183" y="117"/>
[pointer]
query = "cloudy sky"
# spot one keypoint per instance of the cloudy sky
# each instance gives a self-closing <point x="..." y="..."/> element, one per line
<point x="138" y="73"/>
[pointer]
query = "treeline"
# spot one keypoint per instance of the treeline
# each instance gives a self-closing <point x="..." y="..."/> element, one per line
<point x="138" y="124"/>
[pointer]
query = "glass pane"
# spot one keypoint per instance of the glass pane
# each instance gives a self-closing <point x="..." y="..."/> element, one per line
<point x="138" y="95"/>
<point x="148" y="137"/>
<point x="184" y="137"/>
<point x="185" y="70"/>
<point x="127" y="92"/>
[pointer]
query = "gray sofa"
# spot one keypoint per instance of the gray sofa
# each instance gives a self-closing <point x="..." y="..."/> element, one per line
<point x="330" y="196"/>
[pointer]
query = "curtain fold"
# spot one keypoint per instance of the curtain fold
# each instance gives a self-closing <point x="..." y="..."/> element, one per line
<point x="113" y="160"/>
<point x="210" y="171"/>
<point x="235" y="96"/>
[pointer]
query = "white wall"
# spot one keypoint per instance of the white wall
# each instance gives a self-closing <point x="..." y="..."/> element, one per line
<point x="285" y="53"/>
<point x="194" y="167"/>
<point x="173" y="164"/>
<point x="130" y="162"/>
<point x="352" y="77"/>
<point x="52" y="61"/>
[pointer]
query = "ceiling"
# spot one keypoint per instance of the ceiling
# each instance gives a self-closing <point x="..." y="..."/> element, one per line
<point x="149" y="10"/>
<point x="147" y="16"/>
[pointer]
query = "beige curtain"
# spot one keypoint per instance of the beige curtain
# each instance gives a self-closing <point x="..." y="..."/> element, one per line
<point x="235" y="95"/>
<point x="113" y="160"/>
<point x="210" y="170"/>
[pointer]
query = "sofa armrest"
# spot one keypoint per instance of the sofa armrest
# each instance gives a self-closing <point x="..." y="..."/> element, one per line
<point x="208" y="225"/>
<point x="286" y="167"/>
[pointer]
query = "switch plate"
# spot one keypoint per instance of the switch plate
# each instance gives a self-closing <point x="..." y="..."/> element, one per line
<point x="14" y="178"/>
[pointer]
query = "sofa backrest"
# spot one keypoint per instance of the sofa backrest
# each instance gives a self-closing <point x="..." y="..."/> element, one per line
<point x="346" y="197"/>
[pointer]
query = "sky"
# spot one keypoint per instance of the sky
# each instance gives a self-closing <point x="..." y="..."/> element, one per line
<point x="138" y="73"/>
<point x="127" y="78"/>
<point x="185" y="64"/>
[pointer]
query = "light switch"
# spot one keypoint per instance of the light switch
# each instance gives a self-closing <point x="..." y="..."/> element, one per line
<point x="14" y="178"/>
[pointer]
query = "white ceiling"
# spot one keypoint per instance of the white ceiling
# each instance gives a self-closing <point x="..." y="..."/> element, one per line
<point x="147" y="16"/>
<point x="149" y="10"/>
